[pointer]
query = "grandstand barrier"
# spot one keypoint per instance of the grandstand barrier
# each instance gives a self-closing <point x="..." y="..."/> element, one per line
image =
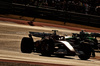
<point x="54" y="14"/>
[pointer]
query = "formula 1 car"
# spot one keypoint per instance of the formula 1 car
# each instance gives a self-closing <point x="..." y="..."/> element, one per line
<point x="83" y="36"/>
<point x="53" y="44"/>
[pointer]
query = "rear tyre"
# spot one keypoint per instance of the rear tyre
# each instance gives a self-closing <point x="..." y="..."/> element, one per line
<point x="47" y="47"/>
<point x="27" y="45"/>
<point x="45" y="51"/>
<point x="86" y="49"/>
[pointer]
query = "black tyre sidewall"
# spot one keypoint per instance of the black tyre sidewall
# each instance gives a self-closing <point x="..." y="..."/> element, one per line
<point x="27" y="45"/>
<point x="87" y="52"/>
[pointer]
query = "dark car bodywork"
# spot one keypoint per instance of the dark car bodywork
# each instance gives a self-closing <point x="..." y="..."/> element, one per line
<point x="53" y="44"/>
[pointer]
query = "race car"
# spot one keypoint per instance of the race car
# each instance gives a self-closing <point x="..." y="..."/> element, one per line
<point x="84" y="36"/>
<point x="53" y="44"/>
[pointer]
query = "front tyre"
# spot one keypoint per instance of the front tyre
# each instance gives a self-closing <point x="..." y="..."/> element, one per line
<point x="27" y="45"/>
<point x="85" y="52"/>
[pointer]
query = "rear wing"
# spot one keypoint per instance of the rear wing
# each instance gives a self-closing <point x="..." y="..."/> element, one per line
<point x="39" y="34"/>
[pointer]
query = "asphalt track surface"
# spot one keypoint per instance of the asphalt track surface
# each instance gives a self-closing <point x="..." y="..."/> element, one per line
<point x="10" y="39"/>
